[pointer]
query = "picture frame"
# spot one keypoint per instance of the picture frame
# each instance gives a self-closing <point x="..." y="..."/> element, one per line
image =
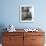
<point x="26" y="13"/>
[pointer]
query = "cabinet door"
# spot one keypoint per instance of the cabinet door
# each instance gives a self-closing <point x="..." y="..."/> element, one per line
<point x="15" y="40"/>
<point x="27" y="40"/>
<point x="37" y="40"/>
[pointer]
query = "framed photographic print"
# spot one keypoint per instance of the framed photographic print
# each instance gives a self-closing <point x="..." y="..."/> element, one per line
<point x="26" y="13"/>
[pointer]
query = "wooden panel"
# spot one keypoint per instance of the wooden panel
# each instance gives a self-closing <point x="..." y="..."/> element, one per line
<point x="27" y="41"/>
<point x="33" y="38"/>
<point x="37" y="39"/>
<point x="13" y="40"/>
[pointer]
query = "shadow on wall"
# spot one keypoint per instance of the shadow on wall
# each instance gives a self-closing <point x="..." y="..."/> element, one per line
<point x="2" y="26"/>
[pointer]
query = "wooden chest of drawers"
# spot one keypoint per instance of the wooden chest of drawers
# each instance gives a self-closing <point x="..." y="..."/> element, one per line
<point x="23" y="39"/>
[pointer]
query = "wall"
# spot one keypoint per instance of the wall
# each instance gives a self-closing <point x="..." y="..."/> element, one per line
<point x="9" y="13"/>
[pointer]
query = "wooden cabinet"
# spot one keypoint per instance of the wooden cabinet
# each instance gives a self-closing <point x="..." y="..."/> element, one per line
<point x="23" y="39"/>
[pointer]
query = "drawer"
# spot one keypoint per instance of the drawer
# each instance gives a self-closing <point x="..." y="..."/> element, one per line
<point x="37" y="39"/>
<point x="12" y="38"/>
<point x="34" y="39"/>
<point x="13" y="33"/>
<point x="34" y="33"/>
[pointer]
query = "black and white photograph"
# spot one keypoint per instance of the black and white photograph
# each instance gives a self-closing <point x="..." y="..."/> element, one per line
<point x="26" y="14"/>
